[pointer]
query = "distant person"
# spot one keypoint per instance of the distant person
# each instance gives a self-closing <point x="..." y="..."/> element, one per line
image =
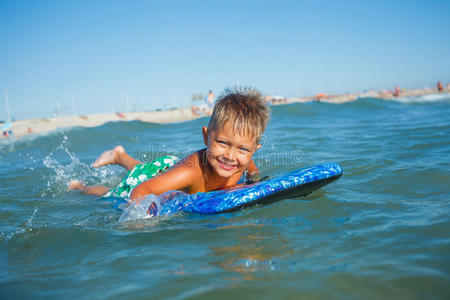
<point x="210" y="99"/>
<point x="268" y="100"/>
<point x="397" y="91"/>
<point x="8" y="133"/>
<point x="231" y="139"/>
<point x="320" y="97"/>
<point x="439" y="86"/>
<point x="195" y="110"/>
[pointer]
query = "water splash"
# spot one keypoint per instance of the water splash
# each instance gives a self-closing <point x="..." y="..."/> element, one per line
<point x="57" y="183"/>
<point x="25" y="226"/>
<point x="148" y="207"/>
<point x="62" y="173"/>
<point x="29" y="222"/>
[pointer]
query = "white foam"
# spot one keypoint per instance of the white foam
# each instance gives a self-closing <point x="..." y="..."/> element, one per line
<point x="423" y="98"/>
<point x="57" y="183"/>
<point x="139" y="210"/>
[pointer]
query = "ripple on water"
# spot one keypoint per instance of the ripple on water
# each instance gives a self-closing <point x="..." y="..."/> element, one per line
<point x="380" y="231"/>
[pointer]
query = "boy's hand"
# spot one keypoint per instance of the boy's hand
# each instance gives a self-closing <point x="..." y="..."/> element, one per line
<point x="253" y="180"/>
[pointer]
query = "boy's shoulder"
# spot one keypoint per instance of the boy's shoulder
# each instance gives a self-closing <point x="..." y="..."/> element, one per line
<point x="190" y="171"/>
<point x="191" y="162"/>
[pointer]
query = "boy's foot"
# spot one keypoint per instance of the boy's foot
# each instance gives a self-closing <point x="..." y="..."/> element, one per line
<point x="108" y="157"/>
<point x="75" y="185"/>
<point x="98" y="190"/>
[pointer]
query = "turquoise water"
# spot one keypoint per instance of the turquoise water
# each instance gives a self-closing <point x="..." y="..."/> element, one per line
<point x="380" y="231"/>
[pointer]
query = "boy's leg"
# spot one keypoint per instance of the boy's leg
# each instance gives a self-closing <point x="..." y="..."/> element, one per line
<point x="116" y="156"/>
<point x="98" y="190"/>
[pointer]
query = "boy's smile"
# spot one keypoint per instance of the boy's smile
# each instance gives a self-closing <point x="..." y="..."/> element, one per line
<point x="228" y="153"/>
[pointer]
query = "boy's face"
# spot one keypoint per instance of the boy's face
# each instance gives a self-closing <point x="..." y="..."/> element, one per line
<point x="229" y="153"/>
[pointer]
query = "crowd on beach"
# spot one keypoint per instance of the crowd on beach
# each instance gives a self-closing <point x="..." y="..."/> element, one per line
<point x="201" y="106"/>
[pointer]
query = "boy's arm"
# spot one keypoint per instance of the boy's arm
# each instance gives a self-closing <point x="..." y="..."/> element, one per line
<point x="175" y="179"/>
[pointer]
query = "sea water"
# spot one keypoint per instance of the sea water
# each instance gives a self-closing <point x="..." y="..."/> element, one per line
<point x="382" y="231"/>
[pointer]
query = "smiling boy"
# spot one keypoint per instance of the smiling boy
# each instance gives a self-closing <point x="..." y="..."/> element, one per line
<point x="233" y="135"/>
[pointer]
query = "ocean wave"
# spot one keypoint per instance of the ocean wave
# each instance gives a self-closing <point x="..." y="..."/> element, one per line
<point x="423" y="98"/>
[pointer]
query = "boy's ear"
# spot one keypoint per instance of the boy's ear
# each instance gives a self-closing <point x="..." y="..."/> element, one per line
<point x="258" y="146"/>
<point x="205" y="135"/>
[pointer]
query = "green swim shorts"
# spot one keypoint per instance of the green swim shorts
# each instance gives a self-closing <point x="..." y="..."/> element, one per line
<point x="139" y="174"/>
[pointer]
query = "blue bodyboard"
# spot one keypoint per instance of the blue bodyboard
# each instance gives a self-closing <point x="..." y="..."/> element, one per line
<point x="293" y="184"/>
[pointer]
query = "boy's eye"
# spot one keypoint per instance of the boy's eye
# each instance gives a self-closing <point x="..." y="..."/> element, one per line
<point x="244" y="149"/>
<point x="221" y="142"/>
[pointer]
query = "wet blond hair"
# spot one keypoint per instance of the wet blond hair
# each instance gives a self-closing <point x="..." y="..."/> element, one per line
<point x="244" y="108"/>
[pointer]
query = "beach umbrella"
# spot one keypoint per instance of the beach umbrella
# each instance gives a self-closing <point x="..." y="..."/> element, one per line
<point x="6" y="126"/>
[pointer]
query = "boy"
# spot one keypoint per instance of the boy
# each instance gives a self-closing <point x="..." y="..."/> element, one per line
<point x="237" y="123"/>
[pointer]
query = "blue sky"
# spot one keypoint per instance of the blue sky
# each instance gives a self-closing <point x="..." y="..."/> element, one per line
<point x="157" y="54"/>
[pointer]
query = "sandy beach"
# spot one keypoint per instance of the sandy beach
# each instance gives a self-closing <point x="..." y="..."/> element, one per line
<point x="338" y="99"/>
<point x="42" y="125"/>
<point x="36" y="126"/>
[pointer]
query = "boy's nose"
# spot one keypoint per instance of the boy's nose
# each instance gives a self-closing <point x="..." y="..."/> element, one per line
<point x="228" y="155"/>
